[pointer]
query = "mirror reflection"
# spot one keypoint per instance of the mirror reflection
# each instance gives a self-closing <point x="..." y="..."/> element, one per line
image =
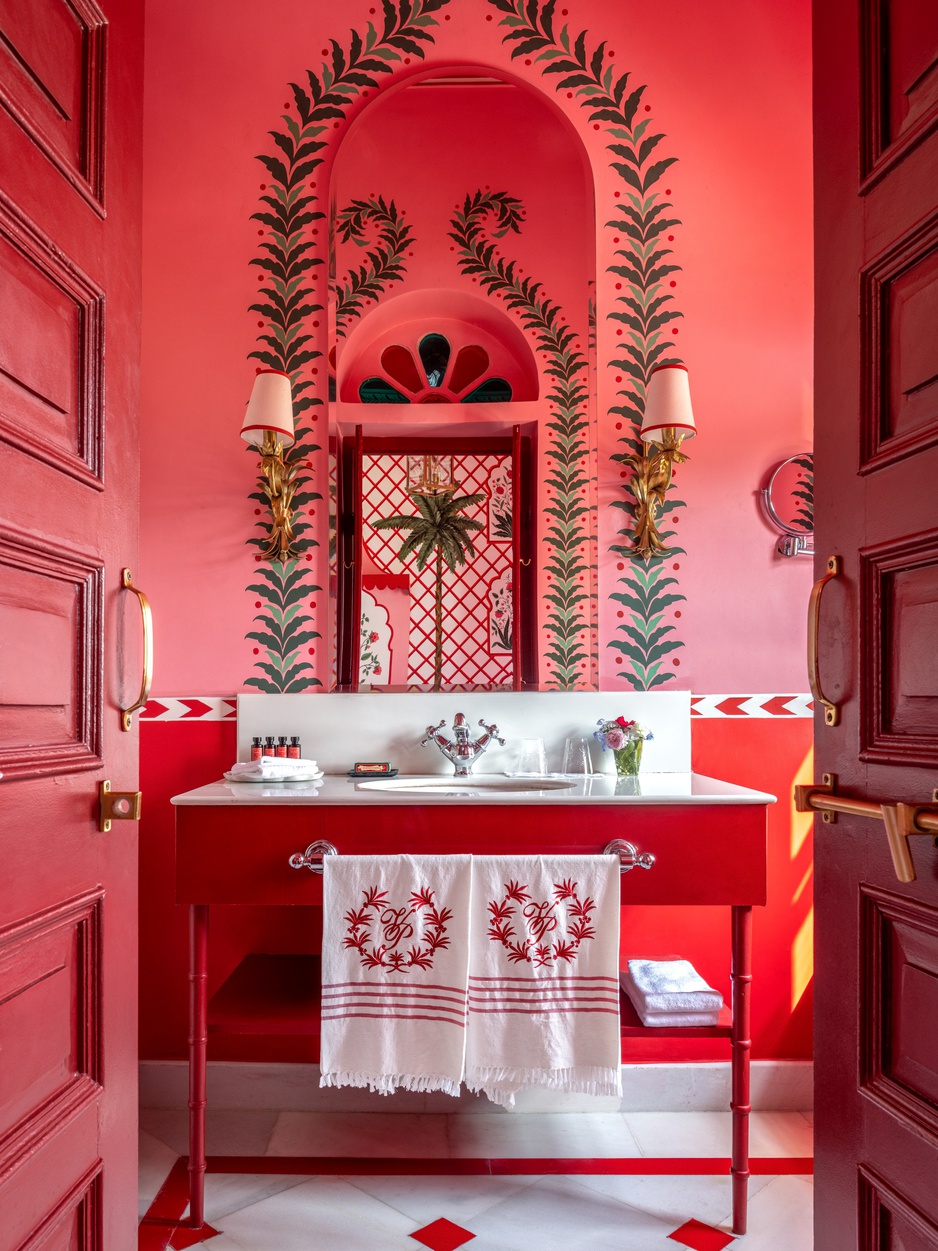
<point x="788" y="500"/>
<point x="447" y="446"/>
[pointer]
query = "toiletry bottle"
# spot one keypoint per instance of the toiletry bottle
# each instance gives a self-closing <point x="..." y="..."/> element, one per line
<point x="293" y="751"/>
<point x="256" y="749"/>
<point x="282" y="746"/>
<point x="269" y="748"/>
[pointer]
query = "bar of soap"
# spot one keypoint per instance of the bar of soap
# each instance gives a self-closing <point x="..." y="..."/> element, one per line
<point x="371" y="766"/>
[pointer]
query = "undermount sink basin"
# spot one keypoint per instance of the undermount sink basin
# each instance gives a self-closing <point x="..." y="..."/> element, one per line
<point x="465" y="786"/>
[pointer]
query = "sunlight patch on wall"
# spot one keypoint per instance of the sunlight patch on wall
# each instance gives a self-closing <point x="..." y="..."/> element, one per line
<point x="803" y="884"/>
<point x="802" y="959"/>
<point x="801" y="823"/>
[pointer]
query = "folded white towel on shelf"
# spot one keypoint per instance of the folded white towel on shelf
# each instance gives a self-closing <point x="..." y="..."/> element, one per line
<point x="394" y="966"/>
<point x="543" y="986"/>
<point x="271" y="767"/>
<point x="668" y="986"/>
<point x="658" y="1020"/>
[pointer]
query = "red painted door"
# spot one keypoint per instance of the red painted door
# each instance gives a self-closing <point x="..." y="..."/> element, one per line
<point x="70" y="153"/>
<point x="876" y="459"/>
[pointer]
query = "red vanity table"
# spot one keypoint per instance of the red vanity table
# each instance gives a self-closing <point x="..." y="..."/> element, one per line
<point x="708" y="839"/>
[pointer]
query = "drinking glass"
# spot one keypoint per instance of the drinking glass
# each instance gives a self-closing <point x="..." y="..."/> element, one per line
<point x="532" y="758"/>
<point x="577" y="759"/>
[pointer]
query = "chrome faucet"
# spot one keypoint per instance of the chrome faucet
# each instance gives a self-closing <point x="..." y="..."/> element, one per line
<point x="462" y="753"/>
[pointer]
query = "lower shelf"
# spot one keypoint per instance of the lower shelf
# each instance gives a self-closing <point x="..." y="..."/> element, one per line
<point x="279" y="994"/>
<point x="268" y="995"/>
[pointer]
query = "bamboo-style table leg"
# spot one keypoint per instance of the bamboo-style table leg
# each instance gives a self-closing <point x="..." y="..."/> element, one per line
<point x="742" y="1046"/>
<point x="198" y="1046"/>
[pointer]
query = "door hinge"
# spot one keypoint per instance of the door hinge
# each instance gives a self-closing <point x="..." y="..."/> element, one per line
<point x="117" y="806"/>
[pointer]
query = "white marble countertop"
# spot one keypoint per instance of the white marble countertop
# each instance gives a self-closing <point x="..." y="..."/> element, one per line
<point x="653" y="788"/>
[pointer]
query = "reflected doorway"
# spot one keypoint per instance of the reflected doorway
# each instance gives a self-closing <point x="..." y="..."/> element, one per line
<point x="461" y="623"/>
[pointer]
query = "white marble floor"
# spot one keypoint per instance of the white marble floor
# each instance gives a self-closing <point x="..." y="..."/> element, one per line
<point x="286" y="1212"/>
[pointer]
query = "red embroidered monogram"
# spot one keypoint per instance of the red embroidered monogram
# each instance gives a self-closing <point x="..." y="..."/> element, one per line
<point x="538" y="919"/>
<point x="378" y="930"/>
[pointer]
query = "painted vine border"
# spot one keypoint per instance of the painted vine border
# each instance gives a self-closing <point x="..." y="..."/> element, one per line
<point x="288" y="301"/>
<point x="567" y="537"/>
<point x="642" y="218"/>
<point x="384" y="262"/>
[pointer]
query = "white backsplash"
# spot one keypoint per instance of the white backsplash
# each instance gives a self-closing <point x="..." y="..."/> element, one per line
<point x="336" y="730"/>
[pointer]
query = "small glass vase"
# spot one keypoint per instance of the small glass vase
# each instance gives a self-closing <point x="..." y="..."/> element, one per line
<point x="629" y="758"/>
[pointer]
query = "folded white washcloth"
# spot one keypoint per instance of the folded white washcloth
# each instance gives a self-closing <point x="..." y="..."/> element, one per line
<point x="668" y="986"/>
<point x="272" y="767"/>
<point x="658" y="1020"/>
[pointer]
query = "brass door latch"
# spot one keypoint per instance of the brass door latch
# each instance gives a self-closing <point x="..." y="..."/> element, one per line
<point x="901" y="821"/>
<point x="117" y="806"/>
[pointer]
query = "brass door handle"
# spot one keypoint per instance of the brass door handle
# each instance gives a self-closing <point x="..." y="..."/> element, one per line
<point x="147" y="680"/>
<point x="900" y="820"/>
<point x="831" y="711"/>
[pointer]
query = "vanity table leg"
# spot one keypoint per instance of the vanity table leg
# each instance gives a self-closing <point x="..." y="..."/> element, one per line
<point x="198" y="1044"/>
<point x="742" y="1046"/>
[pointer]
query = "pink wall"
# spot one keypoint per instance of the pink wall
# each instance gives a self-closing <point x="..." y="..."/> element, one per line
<point x="728" y="86"/>
<point x="728" y="89"/>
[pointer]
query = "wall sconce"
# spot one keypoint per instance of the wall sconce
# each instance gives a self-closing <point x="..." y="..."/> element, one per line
<point x="668" y="420"/>
<point x="268" y="424"/>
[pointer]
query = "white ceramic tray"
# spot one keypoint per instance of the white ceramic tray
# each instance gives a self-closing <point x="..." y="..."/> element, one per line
<point x="299" y="777"/>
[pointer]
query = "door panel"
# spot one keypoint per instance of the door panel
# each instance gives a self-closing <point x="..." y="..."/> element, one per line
<point x="50" y="1021"/>
<point x="876" y="462"/>
<point x="52" y="657"/>
<point x="69" y="396"/>
<point x="899" y="308"/>
<point x="887" y="1223"/>
<point x="51" y="352"/>
<point x="899" y="79"/>
<point x="52" y="83"/>
<point x="899" y="626"/>
<point x="899" y="1002"/>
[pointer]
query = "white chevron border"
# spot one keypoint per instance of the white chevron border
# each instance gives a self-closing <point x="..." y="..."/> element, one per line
<point x="191" y="708"/>
<point x="751" y="706"/>
<point x="225" y="708"/>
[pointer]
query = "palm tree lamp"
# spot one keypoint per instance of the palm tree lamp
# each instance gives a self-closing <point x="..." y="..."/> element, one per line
<point x="268" y="425"/>
<point x="668" y="420"/>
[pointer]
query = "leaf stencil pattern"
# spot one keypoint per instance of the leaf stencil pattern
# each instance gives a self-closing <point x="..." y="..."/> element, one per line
<point x="642" y="219"/>
<point x="567" y="534"/>
<point x="288" y="255"/>
<point x="384" y="262"/>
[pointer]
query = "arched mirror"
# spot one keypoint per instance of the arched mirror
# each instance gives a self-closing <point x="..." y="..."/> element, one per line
<point x="438" y="383"/>
<point x="788" y="500"/>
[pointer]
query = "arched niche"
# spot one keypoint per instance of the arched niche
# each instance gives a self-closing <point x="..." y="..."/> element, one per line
<point x="404" y="321"/>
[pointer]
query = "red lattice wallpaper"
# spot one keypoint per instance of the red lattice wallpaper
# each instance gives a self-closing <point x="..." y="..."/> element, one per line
<point x="471" y="651"/>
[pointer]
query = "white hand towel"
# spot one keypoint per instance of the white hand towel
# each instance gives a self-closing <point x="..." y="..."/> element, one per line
<point x="394" y="965"/>
<point x="669" y="986"/>
<point x="543" y="975"/>
<point x="659" y="1020"/>
<point x="272" y="767"/>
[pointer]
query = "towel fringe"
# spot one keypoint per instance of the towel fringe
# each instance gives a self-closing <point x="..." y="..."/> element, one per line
<point x="501" y="1084"/>
<point x="387" y="1083"/>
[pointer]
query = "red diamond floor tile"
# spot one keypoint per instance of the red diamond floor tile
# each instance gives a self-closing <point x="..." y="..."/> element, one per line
<point x="700" y="1237"/>
<point x="442" y="1235"/>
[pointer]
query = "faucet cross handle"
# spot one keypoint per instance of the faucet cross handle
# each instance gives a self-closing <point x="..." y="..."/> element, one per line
<point x="431" y="730"/>
<point x="493" y="731"/>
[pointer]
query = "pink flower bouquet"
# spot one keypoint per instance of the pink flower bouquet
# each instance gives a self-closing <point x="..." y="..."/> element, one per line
<point x="625" y="740"/>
